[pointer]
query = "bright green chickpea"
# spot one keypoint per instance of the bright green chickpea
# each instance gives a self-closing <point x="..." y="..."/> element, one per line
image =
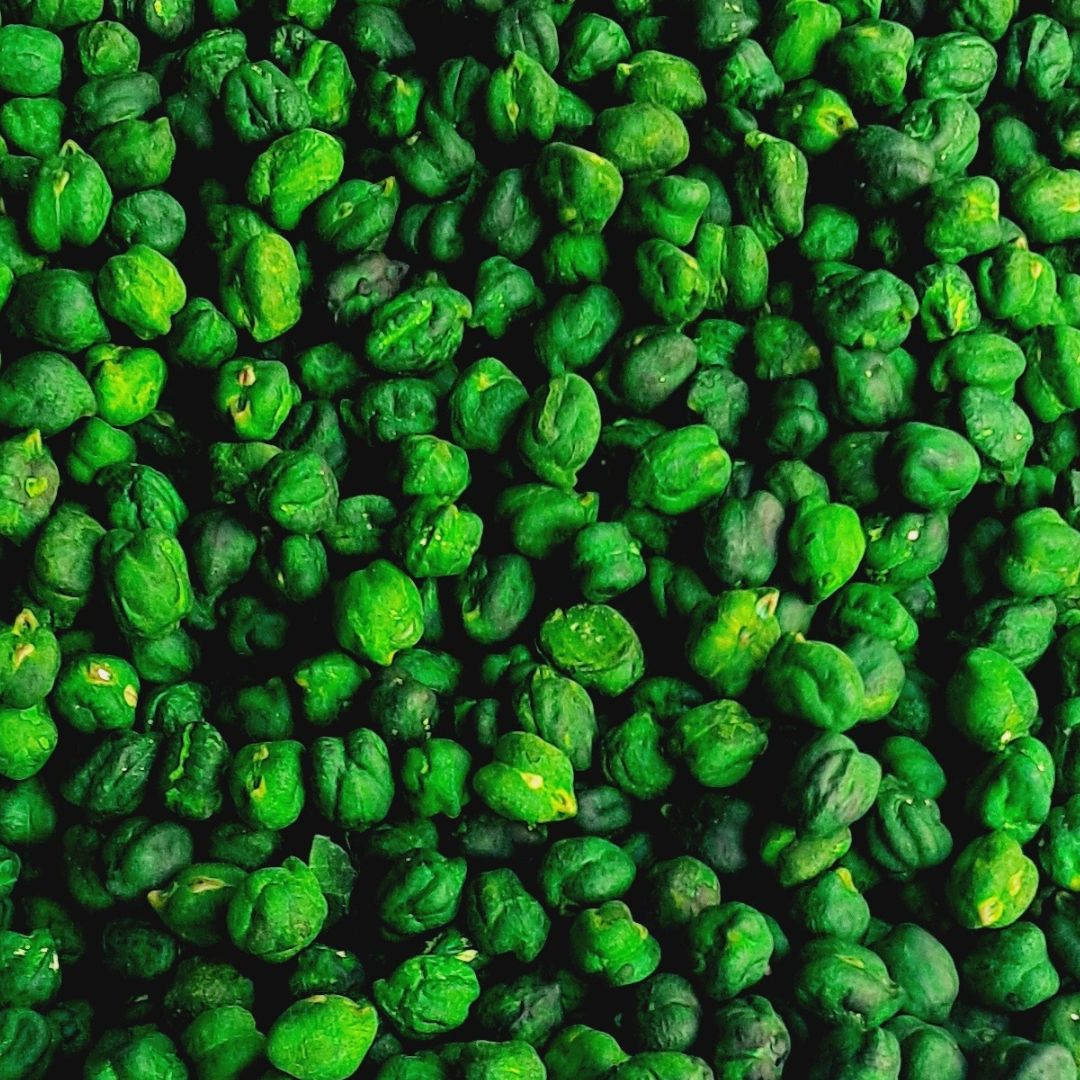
<point x="596" y="45"/>
<point x="584" y="870"/>
<point x="484" y="403"/>
<point x="814" y="118"/>
<point x="292" y="172"/>
<point x="863" y="309"/>
<point x="29" y="661"/>
<point x="671" y="281"/>
<point x="28" y="813"/>
<point x="872" y="57"/>
<point x="1039" y="554"/>
<point x="642" y="137"/>
<point x="731" y="636"/>
<point x="826" y="545"/>
<point x="667" y="207"/>
<point x="223" y="1041"/>
<point x="578" y="1052"/>
<point x="261" y="101"/>
<point x="323" y="1037"/>
<point x="991" y="883"/>
<point x="633" y="759"/>
<point x="143" y="290"/>
<point x="201" y="336"/>
<point x="434" y="777"/>
<point x="990" y="700"/>
<point x="582" y="188"/>
<point x="560" y="429"/>
<point x="529" y="780"/>
<point x="1013" y="791"/>
<point x="954" y="64"/>
<point x="28" y="737"/>
<point x="831" y="233"/>
<point x="717" y="742"/>
<point x="505" y="292"/>
<point x="135" y="154"/>
<point x="33" y="126"/>
<point x="596" y="645"/>
<point x="962" y="218"/>
<point x="657" y="78"/>
<point x="421" y="892"/>
<point x="570" y="259"/>
<point x="798" y="32"/>
<point x="378" y="612"/>
<point x="146" y="575"/>
<point x="430" y="466"/>
<point x="327" y="685"/>
<point x="437" y="539"/>
<point x="540" y="518"/>
<point x="351" y="777"/>
<point x="418" y="331"/>
<point x="1048" y="384"/>
<point x="522" y="100"/>
<point x="832" y="905"/>
<point x="948" y="302"/>
<point x="256" y="396"/>
<point x="609" y="944"/>
<point x="1058" y="846"/>
<point x="261" y="289"/>
<point x="1016" y="286"/>
<point x="276" y="911"/>
<point x="770" y="186"/>
<point x="298" y="492"/>
<point x="194" y="759"/>
<point x="266" y="783"/>
<point x="29" y="968"/>
<point x="69" y="200"/>
<point x="97" y="692"/>
<point x="814" y="681"/>
<point x="573" y="333"/>
<point x="427" y="996"/>
<point x="193" y="905"/>
<point x="95" y="447"/>
<point x="356" y="216"/>
<point x="31" y="59"/>
<point x="679" y="470"/>
<point x="127" y="382"/>
<point x="106" y="47"/>
<point x="560" y="711"/>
